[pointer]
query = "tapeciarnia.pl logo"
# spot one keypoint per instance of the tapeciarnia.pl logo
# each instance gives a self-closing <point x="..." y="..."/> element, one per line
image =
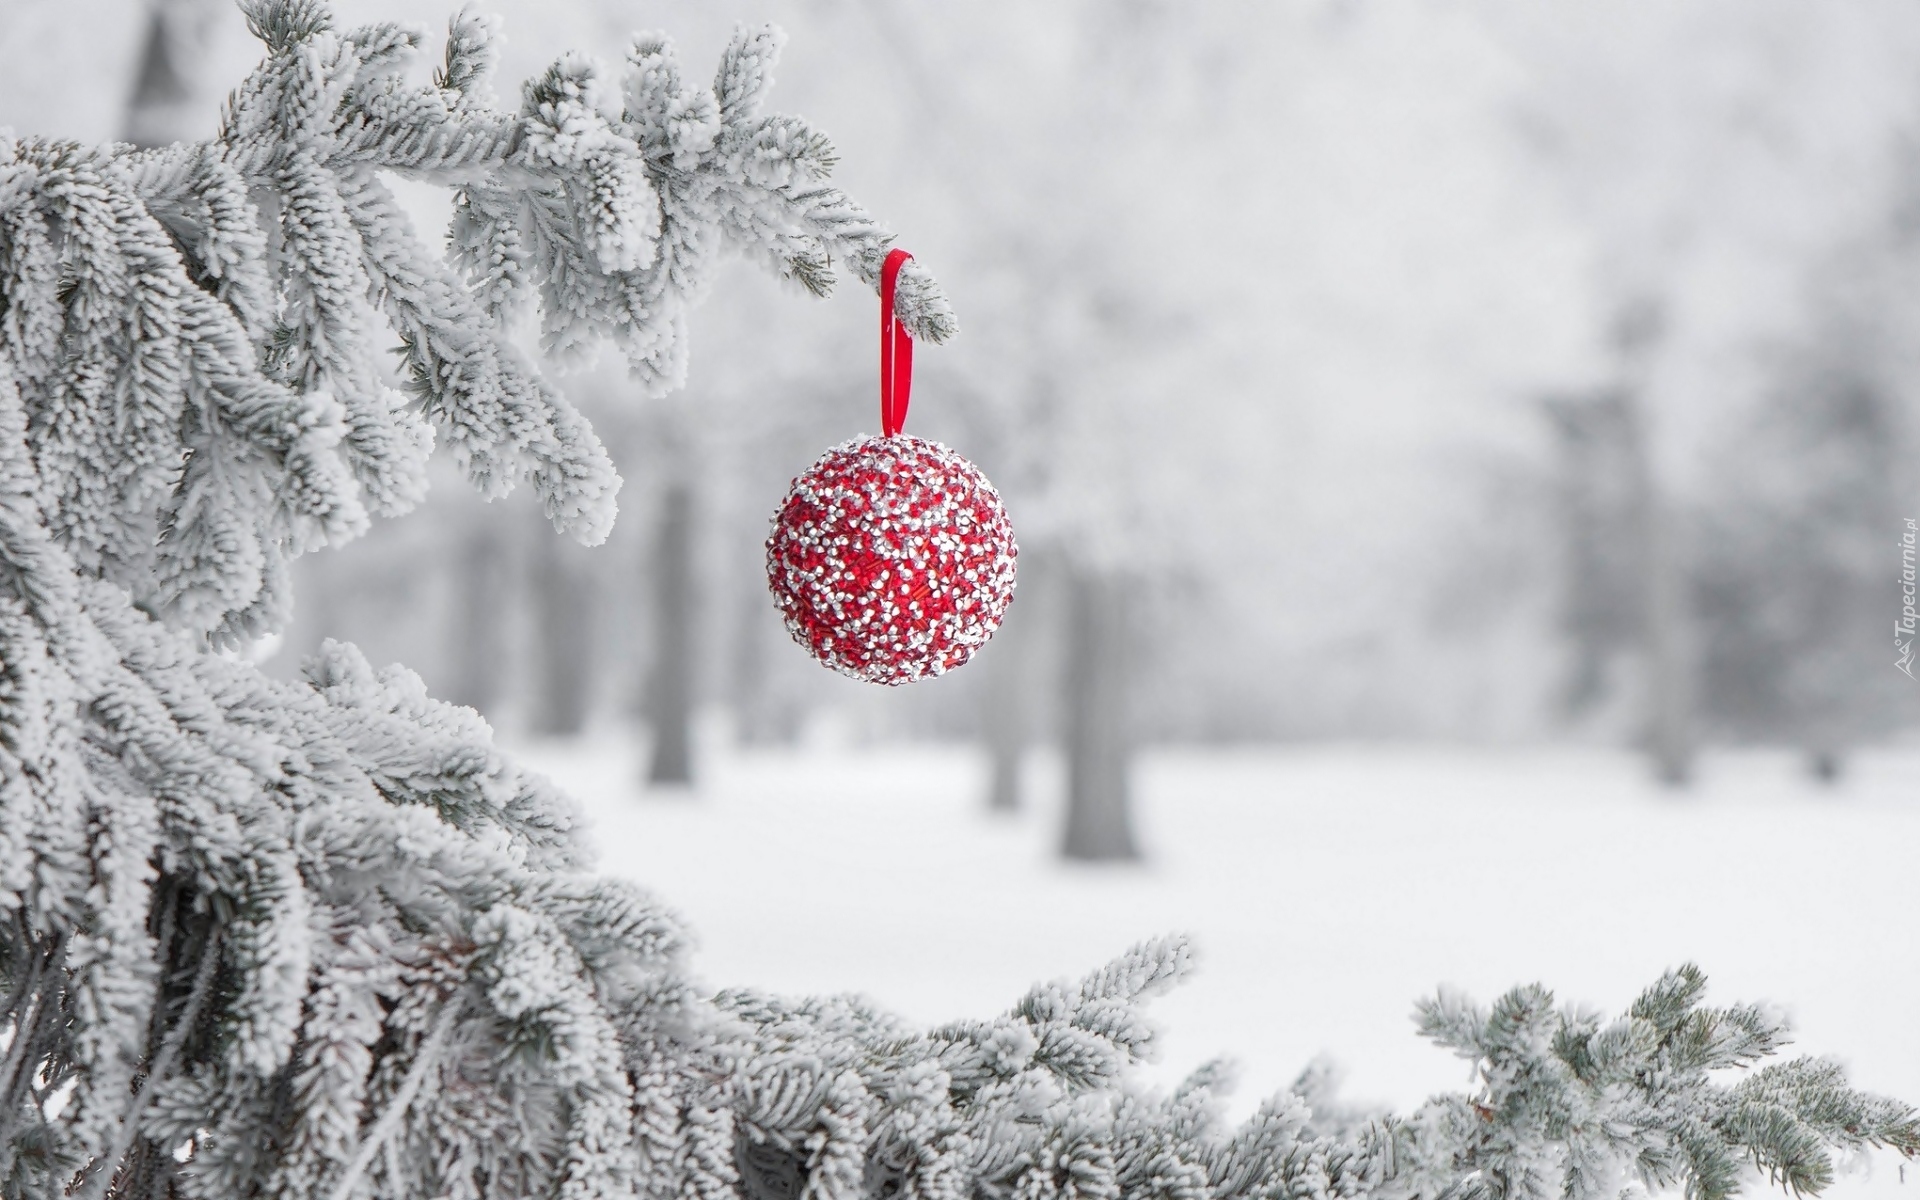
<point x="1903" y="629"/>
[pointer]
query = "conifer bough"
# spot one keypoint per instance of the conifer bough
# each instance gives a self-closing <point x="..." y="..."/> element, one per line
<point x="320" y="940"/>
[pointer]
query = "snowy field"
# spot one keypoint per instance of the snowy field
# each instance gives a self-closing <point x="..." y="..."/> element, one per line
<point x="1326" y="888"/>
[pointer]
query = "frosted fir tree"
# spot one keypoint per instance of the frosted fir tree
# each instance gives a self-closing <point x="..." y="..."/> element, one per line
<point x="322" y="940"/>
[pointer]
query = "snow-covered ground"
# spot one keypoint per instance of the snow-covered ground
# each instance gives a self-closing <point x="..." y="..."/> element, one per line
<point x="1326" y="887"/>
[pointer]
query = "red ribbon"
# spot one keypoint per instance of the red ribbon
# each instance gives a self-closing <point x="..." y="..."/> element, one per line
<point x="896" y="351"/>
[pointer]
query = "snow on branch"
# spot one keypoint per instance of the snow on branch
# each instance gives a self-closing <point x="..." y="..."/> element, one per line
<point x="197" y="332"/>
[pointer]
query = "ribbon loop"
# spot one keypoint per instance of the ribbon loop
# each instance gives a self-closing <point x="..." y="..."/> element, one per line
<point x="896" y="350"/>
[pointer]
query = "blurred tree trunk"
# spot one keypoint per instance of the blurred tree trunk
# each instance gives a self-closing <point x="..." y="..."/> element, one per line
<point x="670" y="681"/>
<point x="561" y="595"/>
<point x="1662" y="576"/>
<point x="1006" y="737"/>
<point x="165" y="105"/>
<point x="1600" y="609"/>
<point x="477" y="624"/>
<point x="1011" y="713"/>
<point x="1099" y="802"/>
<point x="1669" y="681"/>
<point x="1825" y="765"/>
<point x="1003" y="720"/>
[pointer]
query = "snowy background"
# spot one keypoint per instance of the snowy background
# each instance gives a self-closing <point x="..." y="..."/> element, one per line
<point x="1327" y="887"/>
<point x="1474" y="402"/>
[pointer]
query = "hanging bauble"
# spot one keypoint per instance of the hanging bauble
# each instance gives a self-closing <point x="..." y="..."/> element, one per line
<point x="891" y="557"/>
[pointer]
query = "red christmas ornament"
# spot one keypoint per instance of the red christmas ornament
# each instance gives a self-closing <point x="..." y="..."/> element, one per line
<point x="891" y="558"/>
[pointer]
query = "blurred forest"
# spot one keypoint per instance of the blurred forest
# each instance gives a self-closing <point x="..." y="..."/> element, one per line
<point x="1478" y="370"/>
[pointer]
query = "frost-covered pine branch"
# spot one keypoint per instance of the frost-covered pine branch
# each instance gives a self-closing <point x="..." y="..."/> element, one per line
<point x="198" y="331"/>
<point x="321" y="940"/>
<point x="1037" y="1104"/>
